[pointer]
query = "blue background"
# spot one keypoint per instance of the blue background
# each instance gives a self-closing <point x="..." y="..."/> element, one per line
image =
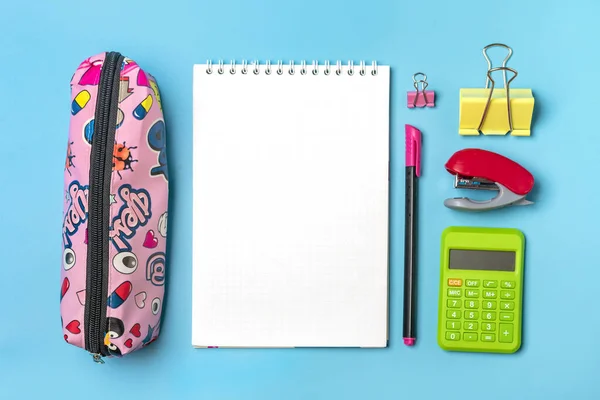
<point x="554" y="44"/>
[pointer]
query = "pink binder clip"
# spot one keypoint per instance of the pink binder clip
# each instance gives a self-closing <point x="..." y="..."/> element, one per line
<point x="420" y="98"/>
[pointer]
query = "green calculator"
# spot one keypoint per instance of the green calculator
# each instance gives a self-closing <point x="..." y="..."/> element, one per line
<point x="481" y="289"/>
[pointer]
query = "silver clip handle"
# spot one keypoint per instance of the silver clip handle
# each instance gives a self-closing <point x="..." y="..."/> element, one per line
<point x="424" y="85"/>
<point x="489" y="62"/>
<point x="489" y="100"/>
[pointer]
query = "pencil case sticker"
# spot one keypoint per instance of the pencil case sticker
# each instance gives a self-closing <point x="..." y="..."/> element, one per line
<point x="115" y="209"/>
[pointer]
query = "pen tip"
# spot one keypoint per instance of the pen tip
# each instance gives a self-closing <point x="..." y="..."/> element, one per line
<point x="409" y="341"/>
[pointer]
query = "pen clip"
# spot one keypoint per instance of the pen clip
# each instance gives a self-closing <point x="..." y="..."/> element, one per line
<point x="413" y="148"/>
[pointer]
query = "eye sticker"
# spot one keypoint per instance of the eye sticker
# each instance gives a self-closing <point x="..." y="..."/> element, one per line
<point x="68" y="259"/>
<point x="125" y="262"/>
<point x="112" y="347"/>
<point x="155" y="305"/>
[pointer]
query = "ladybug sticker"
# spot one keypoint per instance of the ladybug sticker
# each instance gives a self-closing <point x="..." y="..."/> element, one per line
<point x="122" y="158"/>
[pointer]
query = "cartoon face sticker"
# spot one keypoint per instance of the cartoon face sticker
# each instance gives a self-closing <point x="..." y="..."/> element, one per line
<point x="69" y="160"/>
<point x="122" y="158"/>
<point x="162" y="225"/>
<point x="114" y="330"/>
<point x="125" y="262"/>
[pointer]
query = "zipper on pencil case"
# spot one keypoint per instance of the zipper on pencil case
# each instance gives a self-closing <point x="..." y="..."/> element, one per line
<point x="105" y="120"/>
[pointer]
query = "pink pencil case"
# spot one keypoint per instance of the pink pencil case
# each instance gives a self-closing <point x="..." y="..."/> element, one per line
<point x="115" y="209"/>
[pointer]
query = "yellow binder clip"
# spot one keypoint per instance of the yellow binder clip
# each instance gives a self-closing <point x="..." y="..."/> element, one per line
<point x="492" y="111"/>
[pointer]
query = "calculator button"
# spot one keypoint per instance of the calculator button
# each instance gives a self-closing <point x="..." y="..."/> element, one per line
<point x="454" y="292"/>
<point x="472" y="282"/>
<point x="506" y="316"/>
<point x="471" y="326"/>
<point x="453" y="314"/>
<point x="453" y="303"/>
<point x="490" y="284"/>
<point x="508" y="284"/>
<point x="452" y="336"/>
<point x="471" y="304"/>
<point x="507" y="294"/>
<point x="453" y="325"/>
<point x="472" y="293"/>
<point x="505" y="333"/>
<point x="470" y="336"/>
<point x="488" y="316"/>
<point x="488" y="326"/>
<point x="488" y="337"/>
<point x="471" y="314"/>
<point x="507" y="305"/>
<point x="489" y="294"/>
<point x="489" y="305"/>
<point x="454" y="282"/>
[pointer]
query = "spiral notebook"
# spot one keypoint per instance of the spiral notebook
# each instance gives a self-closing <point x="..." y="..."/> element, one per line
<point x="290" y="186"/>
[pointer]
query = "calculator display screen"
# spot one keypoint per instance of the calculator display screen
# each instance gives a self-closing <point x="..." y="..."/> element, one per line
<point x="486" y="260"/>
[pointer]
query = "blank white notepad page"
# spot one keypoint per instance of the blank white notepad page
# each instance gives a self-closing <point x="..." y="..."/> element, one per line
<point x="290" y="205"/>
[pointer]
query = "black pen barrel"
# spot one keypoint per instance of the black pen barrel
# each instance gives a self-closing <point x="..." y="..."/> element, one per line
<point x="409" y="254"/>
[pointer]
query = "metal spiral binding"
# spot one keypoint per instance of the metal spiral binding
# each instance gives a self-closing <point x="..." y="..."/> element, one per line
<point x="254" y="68"/>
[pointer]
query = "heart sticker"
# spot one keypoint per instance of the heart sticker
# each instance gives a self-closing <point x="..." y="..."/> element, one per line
<point x="66" y="338"/>
<point x="128" y="343"/>
<point x="135" y="331"/>
<point x="150" y="241"/>
<point x="73" y="327"/>
<point x="81" y="297"/>
<point x="64" y="288"/>
<point x="140" y="299"/>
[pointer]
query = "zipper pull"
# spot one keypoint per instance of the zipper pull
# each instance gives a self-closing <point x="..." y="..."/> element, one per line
<point x="97" y="358"/>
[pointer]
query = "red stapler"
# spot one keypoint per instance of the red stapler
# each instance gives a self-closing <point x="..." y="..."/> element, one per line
<point x="484" y="170"/>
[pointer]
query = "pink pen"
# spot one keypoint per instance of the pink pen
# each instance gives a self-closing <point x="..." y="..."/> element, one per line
<point x="413" y="171"/>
